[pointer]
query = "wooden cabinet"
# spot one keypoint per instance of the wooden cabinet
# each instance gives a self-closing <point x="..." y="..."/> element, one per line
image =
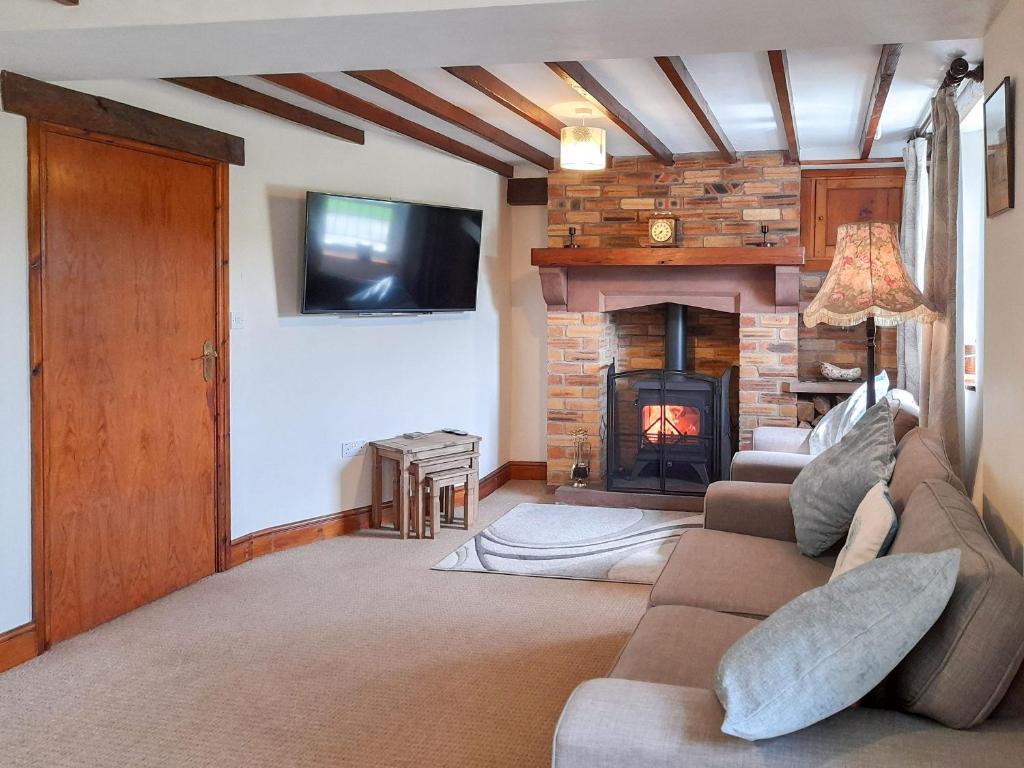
<point x="832" y="197"/>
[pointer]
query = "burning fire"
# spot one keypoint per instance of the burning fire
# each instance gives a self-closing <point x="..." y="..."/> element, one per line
<point x="670" y="421"/>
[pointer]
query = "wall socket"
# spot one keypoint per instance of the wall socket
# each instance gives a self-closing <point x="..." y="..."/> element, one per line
<point x="353" y="448"/>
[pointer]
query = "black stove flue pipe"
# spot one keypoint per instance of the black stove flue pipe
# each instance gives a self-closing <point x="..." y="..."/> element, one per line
<point x="675" y="337"/>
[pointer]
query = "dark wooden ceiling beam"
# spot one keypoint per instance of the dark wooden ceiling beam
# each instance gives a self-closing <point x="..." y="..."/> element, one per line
<point x="587" y="86"/>
<point x="233" y="93"/>
<point x="508" y="97"/>
<point x="879" y="92"/>
<point x="327" y="94"/>
<point x="784" y="92"/>
<point x="37" y="100"/>
<point x="401" y="88"/>
<point x="677" y="73"/>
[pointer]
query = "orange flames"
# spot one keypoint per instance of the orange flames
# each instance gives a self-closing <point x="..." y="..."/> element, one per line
<point x="670" y="421"/>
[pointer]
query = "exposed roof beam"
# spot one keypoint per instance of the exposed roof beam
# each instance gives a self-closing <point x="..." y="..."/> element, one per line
<point x="577" y="77"/>
<point x="419" y="97"/>
<point x="233" y="93"/>
<point x="686" y="86"/>
<point x="327" y="94"/>
<point x="508" y="97"/>
<point x="784" y="92"/>
<point x="879" y="92"/>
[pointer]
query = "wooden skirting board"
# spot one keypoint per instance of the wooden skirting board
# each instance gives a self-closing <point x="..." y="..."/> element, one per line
<point x="282" y="537"/>
<point x="18" y="646"/>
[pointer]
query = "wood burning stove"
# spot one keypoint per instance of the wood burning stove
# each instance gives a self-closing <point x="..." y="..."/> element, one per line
<point x="668" y="431"/>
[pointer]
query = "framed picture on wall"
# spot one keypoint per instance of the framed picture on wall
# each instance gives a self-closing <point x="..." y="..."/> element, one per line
<point x="999" y="148"/>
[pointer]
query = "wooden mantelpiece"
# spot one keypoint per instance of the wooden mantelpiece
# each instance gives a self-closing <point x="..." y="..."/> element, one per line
<point x="724" y="279"/>
<point x="788" y="256"/>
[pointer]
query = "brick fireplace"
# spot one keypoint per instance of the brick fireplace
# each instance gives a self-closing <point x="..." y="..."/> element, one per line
<point x="741" y="315"/>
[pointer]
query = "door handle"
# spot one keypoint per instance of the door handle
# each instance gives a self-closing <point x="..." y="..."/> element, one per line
<point x="209" y="360"/>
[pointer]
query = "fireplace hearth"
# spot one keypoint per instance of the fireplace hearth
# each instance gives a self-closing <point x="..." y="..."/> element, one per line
<point x="669" y="431"/>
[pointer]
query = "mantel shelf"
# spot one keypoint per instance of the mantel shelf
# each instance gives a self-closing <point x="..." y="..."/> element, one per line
<point x="746" y="256"/>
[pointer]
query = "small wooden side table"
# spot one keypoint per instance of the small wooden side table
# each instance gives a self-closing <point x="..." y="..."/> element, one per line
<point x="403" y="451"/>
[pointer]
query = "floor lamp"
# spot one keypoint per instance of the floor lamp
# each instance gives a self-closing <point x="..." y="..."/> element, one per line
<point x="868" y="283"/>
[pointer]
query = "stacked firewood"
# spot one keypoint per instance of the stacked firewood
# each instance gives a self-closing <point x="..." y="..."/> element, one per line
<point x="809" y="411"/>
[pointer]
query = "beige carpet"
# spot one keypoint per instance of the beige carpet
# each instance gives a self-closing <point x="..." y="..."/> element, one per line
<point x="349" y="652"/>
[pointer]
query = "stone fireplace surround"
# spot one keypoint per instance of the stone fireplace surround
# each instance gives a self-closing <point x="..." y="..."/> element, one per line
<point x="741" y="314"/>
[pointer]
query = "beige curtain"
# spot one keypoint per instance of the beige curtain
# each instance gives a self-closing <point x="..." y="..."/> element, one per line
<point x="913" y="242"/>
<point x="940" y="358"/>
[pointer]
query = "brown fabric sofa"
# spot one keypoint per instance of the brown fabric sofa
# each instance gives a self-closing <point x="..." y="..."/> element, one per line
<point x="657" y="707"/>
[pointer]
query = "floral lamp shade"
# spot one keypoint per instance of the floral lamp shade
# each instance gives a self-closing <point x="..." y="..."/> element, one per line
<point x="868" y="280"/>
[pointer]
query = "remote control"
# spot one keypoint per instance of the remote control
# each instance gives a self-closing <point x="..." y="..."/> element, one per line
<point x="453" y="431"/>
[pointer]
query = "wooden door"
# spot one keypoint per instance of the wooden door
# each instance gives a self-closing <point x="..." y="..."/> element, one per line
<point x="830" y="198"/>
<point x="125" y="403"/>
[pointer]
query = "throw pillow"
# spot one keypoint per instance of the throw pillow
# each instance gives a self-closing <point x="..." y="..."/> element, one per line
<point x="871" y="532"/>
<point x="830" y="646"/>
<point x="826" y="493"/>
<point x="834" y="425"/>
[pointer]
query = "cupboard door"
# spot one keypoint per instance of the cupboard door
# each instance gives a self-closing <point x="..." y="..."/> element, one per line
<point x="837" y="200"/>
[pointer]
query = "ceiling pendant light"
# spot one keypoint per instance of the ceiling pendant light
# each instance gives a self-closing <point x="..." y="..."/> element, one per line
<point x="582" y="146"/>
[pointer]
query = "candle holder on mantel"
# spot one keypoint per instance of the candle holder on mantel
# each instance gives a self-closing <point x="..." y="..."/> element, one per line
<point x="572" y="238"/>
<point x="580" y="472"/>
<point x="764" y="238"/>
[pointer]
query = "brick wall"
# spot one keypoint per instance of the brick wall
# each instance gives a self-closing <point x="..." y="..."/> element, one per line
<point x="718" y="203"/>
<point x="842" y="346"/>
<point x="768" y="359"/>
<point x="580" y="349"/>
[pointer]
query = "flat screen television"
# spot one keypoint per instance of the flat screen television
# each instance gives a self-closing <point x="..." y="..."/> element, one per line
<point x="368" y="256"/>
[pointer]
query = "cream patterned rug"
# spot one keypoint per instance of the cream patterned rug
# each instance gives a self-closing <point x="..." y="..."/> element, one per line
<point x="563" y="541"/>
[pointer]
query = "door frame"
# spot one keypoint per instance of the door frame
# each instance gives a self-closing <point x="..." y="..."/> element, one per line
<point x="37" y="132"/>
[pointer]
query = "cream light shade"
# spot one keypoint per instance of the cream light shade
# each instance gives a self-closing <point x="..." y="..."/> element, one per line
<point x="582" y="148"/>
<point x="868" y="279"/>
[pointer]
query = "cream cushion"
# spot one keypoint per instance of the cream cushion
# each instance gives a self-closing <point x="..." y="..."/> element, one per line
<point x="871" y="532"/>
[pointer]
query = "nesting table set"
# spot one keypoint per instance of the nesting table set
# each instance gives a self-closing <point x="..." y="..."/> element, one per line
<point x="428" y="470"/>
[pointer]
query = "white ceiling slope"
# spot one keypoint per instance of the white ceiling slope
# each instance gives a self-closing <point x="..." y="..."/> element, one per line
<point x="104" y="39"/>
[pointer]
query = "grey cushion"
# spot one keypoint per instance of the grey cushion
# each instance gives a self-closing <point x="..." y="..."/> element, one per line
<point x="730" y="572"/>
<point x="828" y="648"/>
<point x="826" y="493"/>
<point x="920" y="455"/>
<point x="678" y="645"/>
<point x="963" y="666"/>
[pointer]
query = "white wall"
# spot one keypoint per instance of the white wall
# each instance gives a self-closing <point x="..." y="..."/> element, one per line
<point x="15" y="529"/>
<point x="1003" y="363"/>
<point x="526" y="345"/>
<point x="300" y="386"/>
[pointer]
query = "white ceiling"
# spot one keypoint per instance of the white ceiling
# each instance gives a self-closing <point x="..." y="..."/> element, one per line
<point x="102" y="39"/>
<point x="833" y="50"/>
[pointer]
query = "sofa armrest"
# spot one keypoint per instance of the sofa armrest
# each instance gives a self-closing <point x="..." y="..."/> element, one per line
<point x="781" y="439"/>
<point x="614" y="723"/>
<point x="756" y="509"/>
<point x="768" y="466"/>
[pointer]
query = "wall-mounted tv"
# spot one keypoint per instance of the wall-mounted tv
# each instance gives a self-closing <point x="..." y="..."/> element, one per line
<point x="370" y="256"/>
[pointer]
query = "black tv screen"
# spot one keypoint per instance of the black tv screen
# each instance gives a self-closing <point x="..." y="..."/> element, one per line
<point x="366" y="256"/>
